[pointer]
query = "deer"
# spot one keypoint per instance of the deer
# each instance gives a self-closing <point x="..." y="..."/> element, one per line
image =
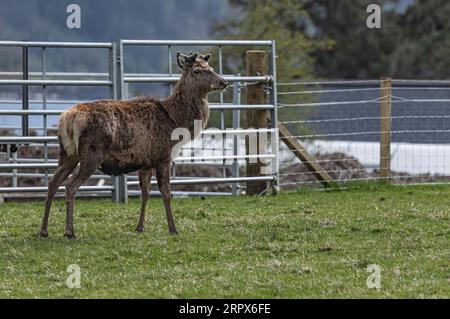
<point x="122" y="136"/>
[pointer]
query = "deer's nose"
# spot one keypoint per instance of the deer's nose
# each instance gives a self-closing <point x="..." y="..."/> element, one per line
<point x="223" y="83"/>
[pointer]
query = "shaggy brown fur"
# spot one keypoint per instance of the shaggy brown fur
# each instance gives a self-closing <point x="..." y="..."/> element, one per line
<point x="119" y="137"/>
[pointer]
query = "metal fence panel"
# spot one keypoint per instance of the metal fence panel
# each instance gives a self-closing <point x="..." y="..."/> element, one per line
<point x="117" y="80"/>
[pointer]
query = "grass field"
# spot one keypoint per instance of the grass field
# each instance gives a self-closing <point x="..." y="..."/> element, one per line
<point x="294" y="245"/>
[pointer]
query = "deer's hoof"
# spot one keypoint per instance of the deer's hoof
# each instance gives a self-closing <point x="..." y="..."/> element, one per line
<point x="173" y="232"/>
<point x="139" y="229"/>
<point x="43" y="233"/>
<point x="70" y="235"/>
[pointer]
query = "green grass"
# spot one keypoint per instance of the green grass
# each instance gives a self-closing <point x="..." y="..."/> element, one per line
<point x="294" y="245"/>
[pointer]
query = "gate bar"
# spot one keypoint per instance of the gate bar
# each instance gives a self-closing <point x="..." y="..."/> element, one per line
<point x="92" y="45"/>
<point x="175" y="78"/>
<point x="25" y="101"/>
<point x="198" y="42"/>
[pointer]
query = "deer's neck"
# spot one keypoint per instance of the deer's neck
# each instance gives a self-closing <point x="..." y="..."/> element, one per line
<point x="185" y="106"/>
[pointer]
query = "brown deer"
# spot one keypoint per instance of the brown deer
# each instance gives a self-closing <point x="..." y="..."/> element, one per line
<point x="119" y="137"/>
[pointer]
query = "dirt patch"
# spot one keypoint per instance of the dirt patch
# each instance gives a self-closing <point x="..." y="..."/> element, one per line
<point x="343" y="169"/>
<point x="338" y="165"/>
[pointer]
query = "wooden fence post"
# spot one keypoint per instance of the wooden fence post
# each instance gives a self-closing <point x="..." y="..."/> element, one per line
<point x="385" y="129"/>
<point x="256" y="63"/>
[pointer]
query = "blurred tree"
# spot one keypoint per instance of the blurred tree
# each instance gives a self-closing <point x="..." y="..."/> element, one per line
<point x="330" y="39"/>
<point x="358" y="52"/>
<point x="285" y="21"/>
<point x="424" y="50"/>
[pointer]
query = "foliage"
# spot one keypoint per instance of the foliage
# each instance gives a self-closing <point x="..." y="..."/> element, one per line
<point x="424" y="50"/>
<point x="358" y="52"/>
<point x="413" y="41"/>
<point x="286" y="22"/>
<point x="330" y="39"/>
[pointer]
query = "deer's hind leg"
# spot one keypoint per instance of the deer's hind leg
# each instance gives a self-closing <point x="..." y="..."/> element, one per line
<point x="66" y="165"/>
<point x="90" y="158"/>
<point x="145" y="176"/>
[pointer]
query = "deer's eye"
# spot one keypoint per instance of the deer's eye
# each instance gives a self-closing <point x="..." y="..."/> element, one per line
<point x="197" y="71"/>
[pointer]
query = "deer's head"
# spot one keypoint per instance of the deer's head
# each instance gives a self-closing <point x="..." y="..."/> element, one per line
<point x="199" y="74"/>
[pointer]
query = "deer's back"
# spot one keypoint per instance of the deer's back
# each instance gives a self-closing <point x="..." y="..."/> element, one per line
<point x="133" y="134"/>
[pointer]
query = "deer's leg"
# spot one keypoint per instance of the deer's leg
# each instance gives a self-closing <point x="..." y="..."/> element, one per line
<point x="144" y="183"/>
<point x="65" y="167"/>
<point x="88" y="165"/>
<point x="163" y="177"/>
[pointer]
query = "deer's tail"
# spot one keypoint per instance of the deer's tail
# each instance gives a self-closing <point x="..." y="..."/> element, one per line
<point x="71" y="124"/>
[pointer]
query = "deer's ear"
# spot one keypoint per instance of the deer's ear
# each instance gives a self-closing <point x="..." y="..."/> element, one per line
<point x="185" y="61"/>
<point x="206" y="57"/>
<point x="181" y="61"/>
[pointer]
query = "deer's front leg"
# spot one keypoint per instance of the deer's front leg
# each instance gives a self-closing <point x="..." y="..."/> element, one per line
<point x="163" y="177"/>
<point x="144" y="182"/>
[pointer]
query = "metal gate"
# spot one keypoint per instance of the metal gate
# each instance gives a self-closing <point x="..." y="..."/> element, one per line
<point x="120" y="83"/>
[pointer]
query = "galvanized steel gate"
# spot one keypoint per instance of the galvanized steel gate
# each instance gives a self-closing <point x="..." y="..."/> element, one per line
<point x="118" y="81"/>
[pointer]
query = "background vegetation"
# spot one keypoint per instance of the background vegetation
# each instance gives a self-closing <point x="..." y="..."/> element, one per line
<point x="330" y="39"/>
<point x="316" y="38"/>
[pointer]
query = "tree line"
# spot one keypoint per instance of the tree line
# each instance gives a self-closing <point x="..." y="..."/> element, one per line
<point x="330" y="39"/>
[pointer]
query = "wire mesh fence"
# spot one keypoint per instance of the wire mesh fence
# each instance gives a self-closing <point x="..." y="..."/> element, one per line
<point x="341" y="123"/>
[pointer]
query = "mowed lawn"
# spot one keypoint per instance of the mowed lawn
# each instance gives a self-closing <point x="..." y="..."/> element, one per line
<point x="294" y="245"/>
